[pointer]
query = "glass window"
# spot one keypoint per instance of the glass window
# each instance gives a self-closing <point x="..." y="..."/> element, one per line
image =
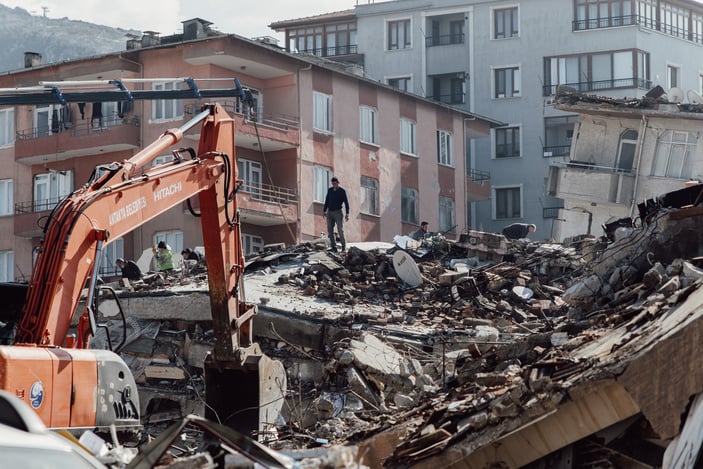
<point x="174" y="240"/>
<point x="368" y="125"/>
<point x="407" y="136"/>
<point x="252" y="244"/>
<point x="409" y="205"/>
<point x="626" y="153"/>
<point x="674" y="154"/>
<point x="369" y="196"/>
<point x="446" y="214"/>
<point x="7" y="127"/>
<point x="322" y="112"/>
<point x="250" y="172"/>
<point x="167" y="109"/>
<point x="507" y="82"/>
<point x="321" y="182"/>
<point x="111" y="253"/>
<point x="402" y="83"/>
<point x="672" y="74"/>
<point x="507" y="142"/>
<point x="50" y="188"/>
<point x="6" y="197"/>
<point x="508" y="202"/>
<point x="505" y="23"/>
<point x="398" y="34"/>
<point x="7" y="266"/>
<point x="445" y="148"/>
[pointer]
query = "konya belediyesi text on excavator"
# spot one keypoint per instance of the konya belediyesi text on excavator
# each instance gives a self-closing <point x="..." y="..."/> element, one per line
<point x="72" y="386"/>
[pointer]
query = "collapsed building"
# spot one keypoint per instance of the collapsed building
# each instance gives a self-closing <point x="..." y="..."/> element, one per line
<point x="507" y="354"/>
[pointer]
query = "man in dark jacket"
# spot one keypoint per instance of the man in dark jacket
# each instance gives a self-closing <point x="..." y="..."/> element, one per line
<point x="335" y="199"/>
<point x="518" y="230"/>
<point x="130" y="269"/>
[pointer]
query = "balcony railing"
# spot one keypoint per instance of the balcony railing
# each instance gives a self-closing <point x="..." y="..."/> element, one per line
<point x="479" y="176"/>
<point x="331" y="51"/>
<point x="33" y="206"/>
<point x="552" y="151"/>
<point x="269" y="194"/>
<point x="444" y="40"/>
<point x="551" y="212"/>
<point x="586" y="165"/>
<point x="278" y="121"/>
<point x="629" y="20"/>
<point x="600" y="85"/>
<point x="454" y="98"/>
<point x="77" y="129"/>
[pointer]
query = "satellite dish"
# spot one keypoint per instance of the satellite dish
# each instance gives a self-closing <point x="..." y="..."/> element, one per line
<point x="694" y="98"/>
<point x="675" y="95"/>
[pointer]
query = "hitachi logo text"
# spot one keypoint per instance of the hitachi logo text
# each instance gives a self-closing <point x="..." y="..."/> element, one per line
<point x="168" y="191"/>
<point x="127" y="211"/>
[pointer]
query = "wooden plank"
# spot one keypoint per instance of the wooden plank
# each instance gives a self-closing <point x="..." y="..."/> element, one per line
<point x="164" y="372"/>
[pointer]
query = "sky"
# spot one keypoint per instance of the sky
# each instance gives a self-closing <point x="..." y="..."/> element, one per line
<point x="245" y="18"/>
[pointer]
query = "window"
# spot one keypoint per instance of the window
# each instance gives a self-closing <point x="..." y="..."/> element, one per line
<point x="445" y="150"/>
<point x="558" y="132"/>
<point x="252" y="244"/>
<point x="507" y="82"/>
<point x="368" y="132"/>
<point x="50" y="188"/>
<point x="167" y="109"/>
<point x="409" y="205"/>
<point x="401" y="83"/>
<point x="7" y="127"/>
<point x="398" y="34"/>
<point x="6" y="197"/>
<point x="446" y="214"/>
<point x="507" y="142"/>
<point x="592" y="14"/>
<point x="595" y="72"/>
<point x="456" y="32"/>
<point x="321" y="112"/>
<point x="672" y="74"/>
<point x="407" y="137"/>
<point x="505" y="23"/>
<point x="508" y="202"/>
<point x="252" y="110"/>
<point x="7" y="266"/>
<point x="320" y="183"/>
<point x="174" y="240"/>
<point x="674" y="20"/>
<point x="673" y="156"/>
<point x="626" y="153"/>
<point x="308" y="40"/>
<point x="111" y="253"/>
<point x="341" y="39"/>
<point x="369" y="196"/>
<point x="250" y="172"/>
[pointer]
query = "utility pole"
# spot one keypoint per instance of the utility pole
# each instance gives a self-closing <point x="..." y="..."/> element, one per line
<point x="46" y="10"/>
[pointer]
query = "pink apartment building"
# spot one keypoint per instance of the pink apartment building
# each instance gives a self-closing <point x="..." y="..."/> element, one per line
<point x="399" y="156"/>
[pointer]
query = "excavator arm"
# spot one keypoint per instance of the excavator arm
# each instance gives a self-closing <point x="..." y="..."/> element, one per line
<point x="244" y="388"/>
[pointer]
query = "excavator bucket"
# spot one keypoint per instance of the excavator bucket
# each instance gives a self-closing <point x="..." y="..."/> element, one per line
<point x="248" y="397"/>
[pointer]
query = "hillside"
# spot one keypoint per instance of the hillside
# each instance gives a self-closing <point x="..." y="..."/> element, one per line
<point x="55" y="39"/>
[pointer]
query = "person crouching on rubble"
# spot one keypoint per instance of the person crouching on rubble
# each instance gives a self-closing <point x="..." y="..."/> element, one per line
<point x="518" y="230"/>
<point x="130" y="269"/>
<point x="163" y="257"/>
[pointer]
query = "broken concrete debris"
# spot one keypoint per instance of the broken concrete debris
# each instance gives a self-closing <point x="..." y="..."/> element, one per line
<point x="501" y="342"/>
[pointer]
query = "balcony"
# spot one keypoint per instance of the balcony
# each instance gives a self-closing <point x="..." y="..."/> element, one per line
<point x="36" y="145"/>
<point x="478" y="186"/>
<point x="30" y="217"/>
<point x="267" y="205"/>
<point x="332" y="51"/>
<point x="630" y="20"/>
<point x="601" y="85"/>
<point x="453" y="98"/>
<point x="553" y="151"/>
<point x="589" y="182"/>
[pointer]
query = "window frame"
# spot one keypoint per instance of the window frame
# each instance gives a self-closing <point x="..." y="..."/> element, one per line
<point x="7" y="266"/>
<point x="408" y="137"/>
<point x="173" y="238"/>
<point x="320" y="175"/>
<point x="515" y="131"/>
<point x="514" y="21"/>
<point x="163" y="110"/>
<point x="368" y="196"/>
<point x="368" y="125"/>
<point x="627" y="141"/>
<point x="393" y="33"/>
<point x="7" y="197"/>
<point x="500" y="82"/>
<point x="409" y="205"/>
<point x="446" y="214"/>
<point x="7" y="127"/>
<point x="113" y="251"/>
<point x="251" y="172"/>
<point x="252" y="244"/>
<point x="513" y="215"/>
<point x="448" y="142"/>
<point x="664" y="169"/>
<point x="403" y="83"/>
<point x="59" y="185"/>
<point x="673" y="75"/>
<point x="321" y="123"/>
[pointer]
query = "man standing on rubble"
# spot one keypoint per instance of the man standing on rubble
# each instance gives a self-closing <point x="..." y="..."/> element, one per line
<point x="335" y="199"/>
<point x="518" y="230"/>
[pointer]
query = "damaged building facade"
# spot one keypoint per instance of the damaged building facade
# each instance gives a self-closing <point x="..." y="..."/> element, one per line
<point x="623" y="152"/>
<point x="399" y="156"/>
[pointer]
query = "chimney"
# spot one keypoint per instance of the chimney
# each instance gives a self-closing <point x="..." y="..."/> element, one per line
<point x="32" y="59"/>
<point x="195" y="28"/>
<point x="150" y="38"/>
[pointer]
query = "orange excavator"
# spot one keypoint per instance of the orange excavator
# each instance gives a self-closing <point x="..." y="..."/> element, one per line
<point x="72" y="386"/>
